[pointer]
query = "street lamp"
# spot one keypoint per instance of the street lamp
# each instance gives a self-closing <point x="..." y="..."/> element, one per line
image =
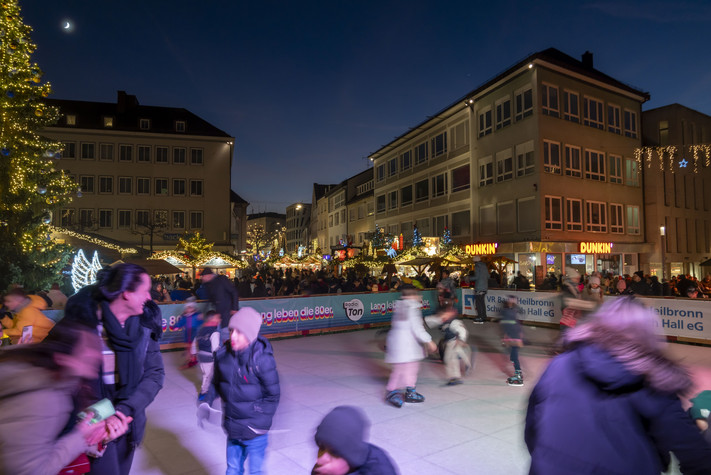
<point x="662" y="234"/>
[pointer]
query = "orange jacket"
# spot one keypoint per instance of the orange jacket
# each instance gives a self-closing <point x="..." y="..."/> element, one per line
<point x="31" y="314"/>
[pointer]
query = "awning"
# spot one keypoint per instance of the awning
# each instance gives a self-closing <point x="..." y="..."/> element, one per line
<point x="152" y="266"/>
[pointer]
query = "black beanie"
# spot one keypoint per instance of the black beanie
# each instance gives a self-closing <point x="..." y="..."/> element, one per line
<point x="343" y="433"/>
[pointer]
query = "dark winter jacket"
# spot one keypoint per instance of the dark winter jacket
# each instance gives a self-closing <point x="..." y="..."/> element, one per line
<point x="589" y="415"/>
<point x="377" y="463"/>
<point x="223" y="295"/>
<point x="510" y="324"/>
<point x="83" y="308"/>
<point x="248" y="384"/>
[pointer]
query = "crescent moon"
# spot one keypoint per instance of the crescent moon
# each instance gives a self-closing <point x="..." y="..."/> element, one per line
<point x="67" y="25"/>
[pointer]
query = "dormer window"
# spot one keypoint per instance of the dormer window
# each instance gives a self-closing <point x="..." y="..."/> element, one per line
<point x="144" y="124"/>
<point x="180" y="126"/>
<point x="71" y="119"/>
<point x="108" y="121"/>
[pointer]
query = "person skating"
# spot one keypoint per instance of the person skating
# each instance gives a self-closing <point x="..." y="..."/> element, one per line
<point x="454" y="335"/>
<point x="512" y="337"/>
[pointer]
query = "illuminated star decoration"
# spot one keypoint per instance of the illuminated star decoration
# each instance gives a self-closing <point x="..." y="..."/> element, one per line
<point x="683" y="163"/>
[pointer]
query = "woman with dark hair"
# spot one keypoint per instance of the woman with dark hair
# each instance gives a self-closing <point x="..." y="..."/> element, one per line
<point x="610" y="402"/>
<point x="120" y="309"/>
<point x="43" y="384"/>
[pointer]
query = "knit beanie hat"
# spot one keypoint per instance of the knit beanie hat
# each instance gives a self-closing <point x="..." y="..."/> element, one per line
<point x="594" y="280"/>
<point x="343" y="433"/>
<point x="247" y="321"/>
<point x="572" y="273"/>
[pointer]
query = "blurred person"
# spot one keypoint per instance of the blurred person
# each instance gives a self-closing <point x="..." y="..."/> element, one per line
<point x="639" y="285"/>
<point x="692" y="292"/>
<point x="182" y="293"/>
<point x="512" y="337"/>
<point x="159" y="293"/>
<point x="190" y="320"/>
<point x="610" y="402"/>
<point x="404" y="348"/>
<point x="655" y="286"/>
<point x="59" y="300"/>
<point x="454" y="338"/>
<point x="119" y="308"/>
<point x="572" y="303"/>
<point x="343" y="449"/>
<point x="224" y="297"/>
<point x="593" y="290"/>
<point x="38" y="434"/>
<point x="481" y="287"/>
<point x="207" y="342"/>
<point x="246" y="380"/>
<point x="27" y="312"/>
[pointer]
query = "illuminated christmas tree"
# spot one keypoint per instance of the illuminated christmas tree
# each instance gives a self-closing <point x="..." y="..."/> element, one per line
<point x="446" y="237"/>
<point x="31" y="188"/>
<point x="416" y="237"/>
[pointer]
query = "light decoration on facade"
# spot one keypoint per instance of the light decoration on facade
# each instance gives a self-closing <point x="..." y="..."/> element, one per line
<point x="670" y="151"/>
<point x="83" y="271"/>
<point x="94" y="240"/>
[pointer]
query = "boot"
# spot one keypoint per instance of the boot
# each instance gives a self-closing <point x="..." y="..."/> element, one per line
<point x="394" y="397"/>
<point x="413" y="396"/>
<point x="516" y="379"/>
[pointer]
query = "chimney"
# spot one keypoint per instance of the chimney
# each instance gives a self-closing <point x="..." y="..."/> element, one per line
<point x="125" y="101"/>
<point x="588" y="59"/>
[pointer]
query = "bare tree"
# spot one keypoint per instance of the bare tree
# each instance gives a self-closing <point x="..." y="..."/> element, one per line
<point x="155" y="224"/>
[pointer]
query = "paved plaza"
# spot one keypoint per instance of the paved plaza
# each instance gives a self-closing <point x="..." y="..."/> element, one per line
<point x="474" y="428"/>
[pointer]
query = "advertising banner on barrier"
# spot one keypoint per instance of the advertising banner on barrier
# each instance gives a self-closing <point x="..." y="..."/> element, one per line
<point x="678" y="317"/>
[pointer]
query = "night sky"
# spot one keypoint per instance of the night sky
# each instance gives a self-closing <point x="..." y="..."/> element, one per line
<point x="310" y="89"/>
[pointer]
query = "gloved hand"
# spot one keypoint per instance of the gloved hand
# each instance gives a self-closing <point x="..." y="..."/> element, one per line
<point x="203" y="414"/>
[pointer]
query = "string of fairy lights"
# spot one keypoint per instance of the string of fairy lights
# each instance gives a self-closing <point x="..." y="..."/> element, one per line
<point x="667" y="156"/>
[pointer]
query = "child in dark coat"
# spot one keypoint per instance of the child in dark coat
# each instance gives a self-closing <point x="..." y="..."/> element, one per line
<point x="512" y="337"/>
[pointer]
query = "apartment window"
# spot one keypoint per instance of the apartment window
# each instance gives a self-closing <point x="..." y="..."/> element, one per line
<point x="380" y="172"/>
<point x="88" y="151"/>
<point x="616" y="223"/>
<point x="162" y="186"/>
<point x="180" y="127"/>
<point x="631" y="124"/>
<point x="71" y="119"/>
<point x="371" y="208"/>
<point x="106" y="217"/>
<point x="549" y="100"/>
<point x="392" y="167"/>
<point x="554" y="212"/>
<point x="392" y="200"/>
<point x="106" y="184"/>
<point x="86" y="183"/>
<point x="178" y="219"/>
<point x="439" y="185"/>
<point x="330" y="218"/>
<point x="423" y="226"/>
<point x="144" y="154"/>
<point x="592" y="113"/>
<point x="379" y="204"/>
<point x="573" y="164"/>
<point x="663" y="132"/>
<point x="528" y="214"/>
<point x="144" y="124"/>
<point x="632" y="172"/>
<point x="571" y="106"/>
<point x="86" y="218"/>
<point x="125" y="153"/>
<point x="574" y="214"/>
<point x="485" y="125"/>
<point x="69" y="150"/>
<point x="351" y="215"/>
<point x="196" y="156"/>
<point x="195" y="187"/>
<point x="161" y="154"/>
<point x="460" y="135"/>
<point x="421" y="153"/>
<point x="439" y="144"/>
<point x="106" y="151"/>
<point x="178" y="156"/>
<point x="67" y="217"/>
<point x="486" y="171"/>
<point x="613" y="119"/>
<point x="594" y="165"/>
<point x="405" y="195"/>
<point x="523" y="100"/>
<point x="615" y="170"/>
<point x="503" y="113"/>
<point x="439" y="224"/>
<point x="160" y="217"/>
<point x="525" y="162"/>
<point x="406" y="160"/>
<point x="142" y="217"/>
<point x="633" y="226"/>
<point x="551" y="156"/>
<point x="461" y="223"/>
<point x="108" y="121"/>
<point x="422" y="191"/>
<point x="143" y="186"/>
<point x="178" y="187"/>
<point x="361" y="208"/>
<point x="461" y="178"/>
<point x="504" y="166"/>
<point x="124" y="218"/>
<point x="597" y="219"/>
<point x="125" y="185"/>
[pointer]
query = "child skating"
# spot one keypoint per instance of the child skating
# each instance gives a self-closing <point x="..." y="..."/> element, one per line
<point x="512" y="337"/>
<point x="454" y="334"/>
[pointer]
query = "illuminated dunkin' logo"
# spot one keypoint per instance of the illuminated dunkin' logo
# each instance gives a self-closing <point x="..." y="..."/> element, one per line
<point x="354" y="309"/>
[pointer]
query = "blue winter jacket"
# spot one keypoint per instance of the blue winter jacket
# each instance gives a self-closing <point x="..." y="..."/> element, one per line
<point x="248" y="384"/>
<point x="589" y="415"/>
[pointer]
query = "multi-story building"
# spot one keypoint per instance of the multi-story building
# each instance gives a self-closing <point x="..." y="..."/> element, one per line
<point x="676" y="166"/>
<point x="361" y="208"/>
<point x="147" y="174"/>
<point x="538" y="162"/>
<point x="238" y="234"/>
<point x="298" y="225"/>
<point x="319" y="218"/>
<point x="268" y="229"/>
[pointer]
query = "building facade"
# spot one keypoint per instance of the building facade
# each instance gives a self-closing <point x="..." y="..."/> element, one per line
<point x="676" y="161"/>
<point x="147" y="174"/>
<point x="298" y="226"/>
<point x="539" y="161"/>
<point x="238" y="233"/>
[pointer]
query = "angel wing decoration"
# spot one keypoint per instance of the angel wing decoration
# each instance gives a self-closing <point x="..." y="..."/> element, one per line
<point x="83" y="271"/>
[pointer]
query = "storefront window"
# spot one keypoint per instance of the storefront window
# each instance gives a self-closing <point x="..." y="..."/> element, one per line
<point x="608" y="263"/>
<point x="554" y="263"/>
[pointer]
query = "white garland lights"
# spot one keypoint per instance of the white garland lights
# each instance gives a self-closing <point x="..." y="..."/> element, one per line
<point x="640" y="154"/>
<point x="83" y="271"/>
<point x="93" y="240"/>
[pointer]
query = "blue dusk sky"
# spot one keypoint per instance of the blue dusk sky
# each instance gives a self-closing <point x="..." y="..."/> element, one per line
<point x="309" y="89"/>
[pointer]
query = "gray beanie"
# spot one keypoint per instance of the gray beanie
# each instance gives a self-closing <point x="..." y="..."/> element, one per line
<point x="343" y="433"/>
<point x="247" y="321"/>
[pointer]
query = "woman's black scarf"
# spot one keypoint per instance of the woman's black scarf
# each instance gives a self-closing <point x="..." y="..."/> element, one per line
<point x="125" y="343"/>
